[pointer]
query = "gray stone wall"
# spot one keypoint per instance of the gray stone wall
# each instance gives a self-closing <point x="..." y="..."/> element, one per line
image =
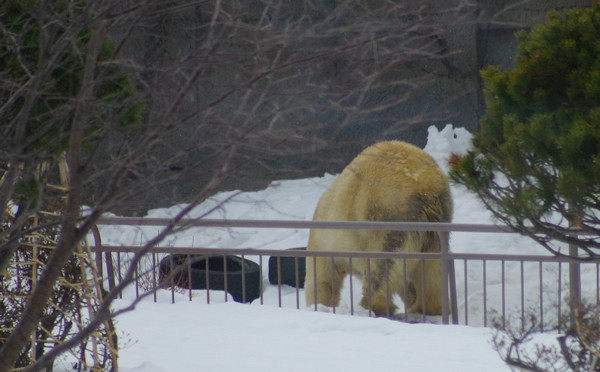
<point x="426" y="73"/>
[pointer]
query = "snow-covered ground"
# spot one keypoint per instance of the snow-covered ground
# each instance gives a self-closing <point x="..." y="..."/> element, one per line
<point x="194" y="336"/>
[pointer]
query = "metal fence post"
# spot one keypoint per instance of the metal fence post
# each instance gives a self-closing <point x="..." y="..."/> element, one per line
<point x="448" y="281"/>
<point x="574" y="270"/>
<point x="453" y="295"/>
<point x="574" y="282"/>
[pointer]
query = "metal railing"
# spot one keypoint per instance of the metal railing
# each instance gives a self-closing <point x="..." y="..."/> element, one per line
<point x="447" y="258"/>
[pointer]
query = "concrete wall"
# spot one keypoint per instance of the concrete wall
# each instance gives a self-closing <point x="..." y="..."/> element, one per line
<point x="464" y="37"/>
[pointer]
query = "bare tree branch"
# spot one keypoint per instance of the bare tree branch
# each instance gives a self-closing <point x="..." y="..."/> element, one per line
<point x="229" y="89"/>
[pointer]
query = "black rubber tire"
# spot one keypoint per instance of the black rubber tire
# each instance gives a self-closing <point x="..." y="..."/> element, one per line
<point x="288" y="270"/>
<point x="177" y="263"/>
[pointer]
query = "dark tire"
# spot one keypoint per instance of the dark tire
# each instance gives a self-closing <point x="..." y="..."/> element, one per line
<point x="288" y="269"/>
<point x="178" y="265"/>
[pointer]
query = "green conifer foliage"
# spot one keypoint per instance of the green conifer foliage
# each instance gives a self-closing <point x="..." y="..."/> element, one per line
<point x="41" y="66"/>
<point x="536" y="160"/>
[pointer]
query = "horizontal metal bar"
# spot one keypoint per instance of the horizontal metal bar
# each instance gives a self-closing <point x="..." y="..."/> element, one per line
<point x="266" y="252"/>
<point x="306" y="253"/>
<point x="301" y="224"/>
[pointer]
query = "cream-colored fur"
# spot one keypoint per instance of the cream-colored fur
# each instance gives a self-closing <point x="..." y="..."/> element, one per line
<point x="388" y="181"/>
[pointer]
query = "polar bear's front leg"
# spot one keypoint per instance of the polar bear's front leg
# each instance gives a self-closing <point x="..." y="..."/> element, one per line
<point x="327" y="287"/>
<point x="378" y="288"/>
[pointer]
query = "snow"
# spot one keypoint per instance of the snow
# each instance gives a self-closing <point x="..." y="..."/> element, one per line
<point x="232" y="337"/>
<point x="194" y="335"/>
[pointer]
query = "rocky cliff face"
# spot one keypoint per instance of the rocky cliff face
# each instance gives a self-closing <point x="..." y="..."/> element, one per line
<point x="265" y="90"/>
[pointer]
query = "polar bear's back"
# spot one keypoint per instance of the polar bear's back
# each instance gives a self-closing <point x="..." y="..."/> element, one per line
<point x="388" y="181"/>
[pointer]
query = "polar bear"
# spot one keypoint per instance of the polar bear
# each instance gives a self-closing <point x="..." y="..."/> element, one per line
<point x="388" y="181"/>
